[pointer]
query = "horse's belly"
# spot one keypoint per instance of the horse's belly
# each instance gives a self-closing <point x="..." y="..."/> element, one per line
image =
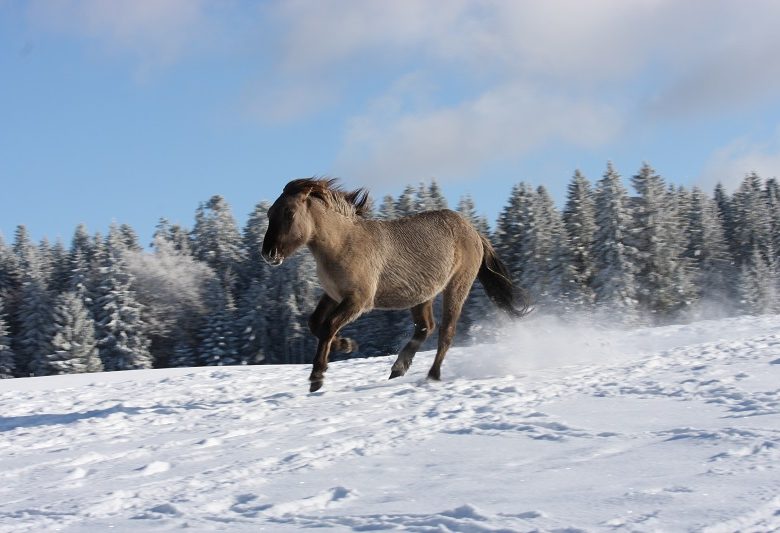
<point x="398" y="292"/>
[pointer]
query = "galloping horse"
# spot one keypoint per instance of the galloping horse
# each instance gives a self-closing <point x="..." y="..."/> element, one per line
<point x="365" y="264"/>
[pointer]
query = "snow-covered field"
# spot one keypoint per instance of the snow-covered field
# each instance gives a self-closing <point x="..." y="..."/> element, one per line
<point x="555" y="428"/>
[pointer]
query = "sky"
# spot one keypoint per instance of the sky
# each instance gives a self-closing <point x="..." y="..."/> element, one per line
<point x="130" y="111"/>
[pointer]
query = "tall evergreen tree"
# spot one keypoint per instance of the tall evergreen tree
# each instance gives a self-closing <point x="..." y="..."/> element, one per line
<point x="580" y="224"/>
<point x="255" y="268"/>
<point x="753" y="223"/>
<point x="613" y="283"/>
<point x="707" y="250"/>
<point x="757" y="288"/>
<point x="512" y="223"/>
<point x="387" y="209"/>
<point x="467" y="208"/>
<point x="252" y="322"/>
<point x="34" y="309"/>
<point x="121" y="335"/>
<point x="662" y="281"/>
<point x="219" y="345"/>
<point x="436" y="199"/>
<point x="7" y="356"/>
<point x="407" y="202"/>
<point x="73" y="349"/>
<point x="217" y="241"/>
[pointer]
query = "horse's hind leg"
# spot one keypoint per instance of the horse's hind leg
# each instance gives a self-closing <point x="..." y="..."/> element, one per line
<point x="455" y="295"/>
<point x="423" y="326"/>
<point x="325" y="306"/>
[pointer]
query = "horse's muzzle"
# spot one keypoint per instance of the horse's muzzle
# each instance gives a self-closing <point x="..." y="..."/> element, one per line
<point x="274" y="258"/>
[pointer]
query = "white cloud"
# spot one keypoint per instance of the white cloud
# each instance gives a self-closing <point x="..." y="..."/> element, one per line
<point x="729" y="164"/>
<point x="154" y="32"/>
<point x="392" y="143"/>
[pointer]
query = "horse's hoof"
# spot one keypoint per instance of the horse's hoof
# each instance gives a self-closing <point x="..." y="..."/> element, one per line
<point x="396" y="374"/>
<point x="314" y="386"/>
<point x="349" y="345"/>
<point x="434" y="376"/>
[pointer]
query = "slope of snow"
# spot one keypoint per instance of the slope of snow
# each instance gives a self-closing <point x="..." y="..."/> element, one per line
<point x="555" y="428"/>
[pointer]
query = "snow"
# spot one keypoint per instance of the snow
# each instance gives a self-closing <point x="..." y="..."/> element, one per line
<point x="555" y="428"/>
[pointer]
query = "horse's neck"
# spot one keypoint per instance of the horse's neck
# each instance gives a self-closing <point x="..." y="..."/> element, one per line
<point x="331" y="232"/>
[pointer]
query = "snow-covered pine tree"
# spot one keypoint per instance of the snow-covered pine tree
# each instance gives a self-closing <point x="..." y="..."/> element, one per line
<point x="33" y="312"/>
<point x="436" y="199"/>
<point x="536" y="242"/>
<point x="10" y="273"/>
<point x="422" y="201"/>
<point x="662" y="281"/>
<point x="512" y="224"/>
<point x="726" y="213"/>
<point x="255" y="268"/>
<point x="7" y="356"/>
<point x="758" y="289"/>
<point x="218" y="346"/>
<point x="387" y="209"/>
<point x="252" y="324"/>
<point x="753" y="223"/>
<point x="613" y="283"/>
<point x="217" y="241"/>
<point x="121" y="332"/>
<point x="60" y="268"/>
<point x="772" y="192"/>
<point x="407" y="202"/>
<point x="174" y="234"/>
<point x="73" y="349"/>
<point x="580" y="224"/>
<point x="707" y="251"/>
<point x="467" y="208"/>
<point x="129" y="238"/>
<point x="566" y="292"/>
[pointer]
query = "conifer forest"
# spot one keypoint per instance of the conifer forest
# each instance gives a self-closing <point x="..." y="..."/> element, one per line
<point x="204" y="296"/>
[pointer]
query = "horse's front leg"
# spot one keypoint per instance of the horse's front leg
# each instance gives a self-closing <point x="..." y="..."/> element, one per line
<point x="345" y="312"/>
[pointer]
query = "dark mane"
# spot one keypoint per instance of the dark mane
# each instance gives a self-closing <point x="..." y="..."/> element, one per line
<point x="349" y="203"/>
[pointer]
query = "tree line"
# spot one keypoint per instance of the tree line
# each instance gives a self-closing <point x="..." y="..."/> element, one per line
<point x="204" y="296"/>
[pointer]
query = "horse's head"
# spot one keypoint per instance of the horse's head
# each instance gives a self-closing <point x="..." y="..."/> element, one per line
<point x="290" y="225"/>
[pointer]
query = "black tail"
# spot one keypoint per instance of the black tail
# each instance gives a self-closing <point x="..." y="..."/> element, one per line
<point x="497" y="281"/>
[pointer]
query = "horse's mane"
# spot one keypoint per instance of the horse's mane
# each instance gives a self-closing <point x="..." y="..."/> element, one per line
<point x="348" y="203"/>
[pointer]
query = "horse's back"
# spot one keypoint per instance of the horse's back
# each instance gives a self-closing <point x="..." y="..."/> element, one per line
<point x="419" y="255"/>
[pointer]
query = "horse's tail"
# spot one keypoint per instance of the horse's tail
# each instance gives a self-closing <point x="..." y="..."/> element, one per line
<point x="497" y="281"/>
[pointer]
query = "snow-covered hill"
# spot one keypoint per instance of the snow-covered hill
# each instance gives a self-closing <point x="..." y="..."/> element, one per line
<point x="555" y="428"/>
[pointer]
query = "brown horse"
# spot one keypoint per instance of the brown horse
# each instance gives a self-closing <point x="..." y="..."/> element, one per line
<point x="365" y="264"/>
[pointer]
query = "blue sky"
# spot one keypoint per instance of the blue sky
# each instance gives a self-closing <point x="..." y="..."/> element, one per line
<point x="128" y="111"/>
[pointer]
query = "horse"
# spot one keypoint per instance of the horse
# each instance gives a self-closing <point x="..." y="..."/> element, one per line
<point x="365" y="264"/>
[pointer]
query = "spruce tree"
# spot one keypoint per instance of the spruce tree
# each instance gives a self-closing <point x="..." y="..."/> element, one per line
<point x="218" y="346"/>
<point x="707" y="251"/>
<point x="387" y="209"/>
<point x="33" y="315"/>
<point x="613" y="283"/>
<point x="406" y="204"/>
<point x="512" y="224"/>
<point x="467" y="208"/>
<point x="580" y="224"/>
<point x="73" y="349"/>
<point x="662" y="281"/>
<point x="217" y="241"/>
<point x="252" y="324"/>
<point x="7" y="356"/>
<point x="436" y="199"/>
<point x="752" y="221"/>
<point x="255" y="268"/>
<point x="757" y="288"/>
<point x="121" y="331"/>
